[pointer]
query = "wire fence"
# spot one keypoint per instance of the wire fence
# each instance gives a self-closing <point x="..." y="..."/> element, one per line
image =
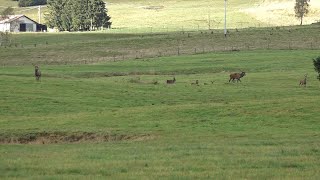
<point x="145" y="54"/>
<point x="162" y="45"/>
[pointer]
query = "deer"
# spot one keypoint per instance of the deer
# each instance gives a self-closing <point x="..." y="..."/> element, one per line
<point x="303" y="82"/>
<point x="236" y="76"/>
<point x="171" y="81"/>
<point x="37" y="72"/>
<point x="195" y="83"/>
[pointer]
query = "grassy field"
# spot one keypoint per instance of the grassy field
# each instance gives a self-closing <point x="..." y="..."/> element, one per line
<point x="172" y="15"/>
<point x="110" y="120"/>
<point x="103" y="110"/>
<point x="88" y="48"/>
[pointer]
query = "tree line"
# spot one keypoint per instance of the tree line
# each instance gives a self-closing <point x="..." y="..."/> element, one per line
<point x="77" y="15"/>
<point x="25" y="3"/>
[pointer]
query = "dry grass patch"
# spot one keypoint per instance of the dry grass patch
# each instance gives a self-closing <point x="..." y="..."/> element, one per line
<point x="281" y="13"/>
<point x="76" y="137"/>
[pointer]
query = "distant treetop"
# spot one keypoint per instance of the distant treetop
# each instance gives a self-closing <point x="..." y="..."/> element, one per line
<point x="25" y="3"/>
<point x="77" y="15"/>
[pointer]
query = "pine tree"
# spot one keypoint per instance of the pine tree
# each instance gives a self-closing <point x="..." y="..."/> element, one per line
<point x="75" y="15"/>
<point x="53" y="17"/>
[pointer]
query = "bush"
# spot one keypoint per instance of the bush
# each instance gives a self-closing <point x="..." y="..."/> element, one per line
<point x="5" y="39"/>
<point x="316" y="63"/>
<point x="25" y="3"/>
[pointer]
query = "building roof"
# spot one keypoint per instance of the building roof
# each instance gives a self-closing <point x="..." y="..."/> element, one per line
<point x="11" y="18"/>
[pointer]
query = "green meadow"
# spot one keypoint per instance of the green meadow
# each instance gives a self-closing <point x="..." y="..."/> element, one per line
<point x="103" y="109"/>
<point x="98" y="47"/>
<point x="112" y="120"/>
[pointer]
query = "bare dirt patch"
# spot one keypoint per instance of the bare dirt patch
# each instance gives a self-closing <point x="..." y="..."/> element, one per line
<point x="66" y="138"/>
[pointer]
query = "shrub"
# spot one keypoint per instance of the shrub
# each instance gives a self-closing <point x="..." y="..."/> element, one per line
<point x="316" y="63"/>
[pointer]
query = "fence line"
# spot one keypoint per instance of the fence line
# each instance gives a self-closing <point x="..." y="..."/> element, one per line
<point x="266" y="41"/>
<point x="179" y="51"/>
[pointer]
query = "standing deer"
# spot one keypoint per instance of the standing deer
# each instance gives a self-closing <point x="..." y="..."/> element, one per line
<point x="171" y="81"/>
<point x="236" y="76"/>
<point x="37" y="73"/>
<point x="303" y="82"/>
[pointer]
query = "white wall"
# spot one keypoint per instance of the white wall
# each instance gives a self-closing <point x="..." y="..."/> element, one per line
<point x="31" y="26"/>
<point x="4" y="27"/>
<point x="14" y="26"/>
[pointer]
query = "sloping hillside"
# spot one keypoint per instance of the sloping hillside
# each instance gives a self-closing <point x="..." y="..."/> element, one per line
<point x="281" y="12"/>
<point x="168" y="15"/>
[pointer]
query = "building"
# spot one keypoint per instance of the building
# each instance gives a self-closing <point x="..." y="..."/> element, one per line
<point x="19" y="23"/>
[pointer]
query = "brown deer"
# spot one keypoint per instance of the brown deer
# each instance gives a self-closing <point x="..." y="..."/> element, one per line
<point x="236" y="76"/>
<point x="171" y="81"/>
<point x="195" y="83"/>
<point x="37" y="73"/>
<point x="303" y="82"/>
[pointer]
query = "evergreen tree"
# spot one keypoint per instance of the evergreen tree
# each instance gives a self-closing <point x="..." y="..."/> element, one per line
<point x="55" y="8"/>
<point x="97" y="14"/>
<point x="25" y="3"/>
<point x="75" y="15"/>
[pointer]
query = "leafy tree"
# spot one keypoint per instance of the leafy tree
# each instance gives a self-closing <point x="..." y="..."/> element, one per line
<point x="6" y="12"/>
<point x="301" y="9"/>
<point x="316" y="63"/>
<point x="75" y="15"/>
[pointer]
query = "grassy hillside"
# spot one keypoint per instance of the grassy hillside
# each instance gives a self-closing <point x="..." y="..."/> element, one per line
<point x="103" y="110"/>
<point x="169" y="15"/>
<point x="82" y="48"/>
<point x="126" y="126"/>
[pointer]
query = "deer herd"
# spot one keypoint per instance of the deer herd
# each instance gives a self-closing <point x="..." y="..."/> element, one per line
<point x="233" y="77"/>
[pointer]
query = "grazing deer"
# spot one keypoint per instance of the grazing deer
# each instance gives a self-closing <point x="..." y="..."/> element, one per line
<point x="171" y="81"/>
<point x="236" y="76"/>
<point x="37" y="73"/>
<point x="196" y="83"/>
<point x="303" y="82"/>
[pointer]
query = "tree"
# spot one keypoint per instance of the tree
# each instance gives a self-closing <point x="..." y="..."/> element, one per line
<point x="301" y="9"/>
<point x="53" y="17"/>
<point x="316" y="63"/>
<point x="98" y="15"/>
<point x="25" y="3"/>
<point x="75" y="15"/>
<point x="6" y="12"/>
